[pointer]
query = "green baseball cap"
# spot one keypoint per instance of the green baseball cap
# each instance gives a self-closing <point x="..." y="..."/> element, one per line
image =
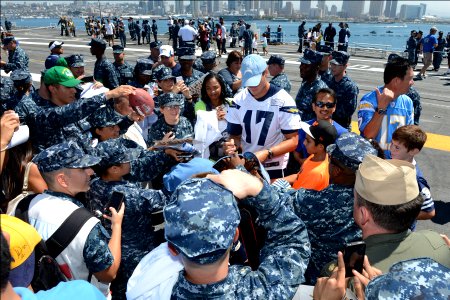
<point x="60" y="75"/>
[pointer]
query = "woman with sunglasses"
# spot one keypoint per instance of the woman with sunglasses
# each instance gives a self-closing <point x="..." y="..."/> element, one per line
<point x="323" y="105"/>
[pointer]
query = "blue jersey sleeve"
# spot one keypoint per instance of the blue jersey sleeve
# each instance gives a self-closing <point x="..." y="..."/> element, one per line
<point x="366" y="110"/>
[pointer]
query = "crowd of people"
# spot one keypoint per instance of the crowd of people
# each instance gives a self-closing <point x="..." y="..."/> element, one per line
<point x="226" y="185"/>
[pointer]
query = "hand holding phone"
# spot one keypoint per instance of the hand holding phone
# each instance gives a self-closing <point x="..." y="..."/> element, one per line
<point x="354" y="257"/>
<point x="115" y="201"/>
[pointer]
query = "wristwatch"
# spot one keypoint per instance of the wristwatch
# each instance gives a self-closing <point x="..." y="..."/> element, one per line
<point x="381" y="111"/>
<point x="270" y="154"/>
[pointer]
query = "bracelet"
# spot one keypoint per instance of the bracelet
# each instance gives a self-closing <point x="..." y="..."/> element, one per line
<point x="270" y="154"/>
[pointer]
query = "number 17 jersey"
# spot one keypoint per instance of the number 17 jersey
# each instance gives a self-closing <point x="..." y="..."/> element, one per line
<point x="262" y="123"/>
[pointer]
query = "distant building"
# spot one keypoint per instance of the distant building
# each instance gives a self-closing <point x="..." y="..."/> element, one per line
<point x="333" y="10"/>
<point x="315" y="13"/>
<point x="179" y="9"/>
<point x="195" y="8"/>
<point x="376" y="8"/>
<point x="412" y="12"/>
<point x="305" y="6"/>
<point x="352" y="9"/>
<point x="217" y="6"/>
<point x="390" y="11"/>
<point x="232" y="5"/>
<point x="289" y="8"/>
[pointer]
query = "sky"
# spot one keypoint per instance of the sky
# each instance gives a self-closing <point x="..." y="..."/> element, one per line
<point x="437" y="7"/>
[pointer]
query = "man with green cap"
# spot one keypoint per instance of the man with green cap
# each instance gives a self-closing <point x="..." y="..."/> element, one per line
<point x="59" y="120"/>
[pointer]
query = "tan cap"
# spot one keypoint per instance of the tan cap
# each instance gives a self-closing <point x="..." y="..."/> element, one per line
<point x="386" y="182"/>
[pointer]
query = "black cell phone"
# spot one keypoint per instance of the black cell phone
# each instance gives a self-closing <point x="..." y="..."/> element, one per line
<point x="115" y="201"/>
<point x="354" y="257"/>
<point x="86" y="79"/>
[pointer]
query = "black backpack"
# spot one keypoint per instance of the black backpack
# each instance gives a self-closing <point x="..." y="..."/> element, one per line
<point x="47" y="273"/>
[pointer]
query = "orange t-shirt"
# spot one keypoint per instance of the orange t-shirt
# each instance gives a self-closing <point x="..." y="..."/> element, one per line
<point x="313" y="175"/>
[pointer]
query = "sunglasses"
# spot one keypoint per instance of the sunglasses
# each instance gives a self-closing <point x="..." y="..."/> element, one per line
<point x="321" y="104"/>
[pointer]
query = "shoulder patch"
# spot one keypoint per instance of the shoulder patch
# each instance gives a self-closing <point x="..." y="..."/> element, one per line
<point x="234" y="105"/>
<point x="289" y="109"/>
<point x="364" y="105"/>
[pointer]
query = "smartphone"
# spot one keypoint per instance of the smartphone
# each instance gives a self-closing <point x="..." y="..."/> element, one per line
<point x="354" y="257"/>
<point x="86" y="79"/>
<point x="178" y="78"/>
<point x="115" y="201"/>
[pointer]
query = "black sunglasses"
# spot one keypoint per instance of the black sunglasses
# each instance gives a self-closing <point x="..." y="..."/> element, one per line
<point x="321" y="104"/>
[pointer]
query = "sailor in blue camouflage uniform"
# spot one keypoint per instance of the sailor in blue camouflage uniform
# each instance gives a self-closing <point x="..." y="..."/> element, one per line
<point x="123" y="69"/>
<point x="106" y="123"/>
<point x="326" y="51"/>
<point x="17" y="58"/>
<point x="206" y="62"/>
<point x="25" y="106"/>
<point x="418" y="278"/>
<point x="312" y="82"/>
<point x="276" y="70"/>
<point x="186" y="58"/>
<point x="7" y="94"/>
<point x="69" y="161"/>
<point x="328" y="214"/>
<point x="59" y="120"/>
<point x="138" y="237"/>
<point x="171" y="121"/>
<point x="415" y="97"/>
<point x="202" y="232"/>
<point x="104" y="70"/>
<point x="346" y="89"/>
<point x="142" y="73"/>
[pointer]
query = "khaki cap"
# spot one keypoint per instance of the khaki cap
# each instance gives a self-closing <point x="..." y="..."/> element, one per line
<point x="386" y="182"/>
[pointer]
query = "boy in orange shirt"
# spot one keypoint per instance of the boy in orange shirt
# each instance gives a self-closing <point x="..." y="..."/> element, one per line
<point x="314" y="173"/>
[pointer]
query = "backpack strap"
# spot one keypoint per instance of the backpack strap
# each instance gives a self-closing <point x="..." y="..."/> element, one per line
<point x="25" y="177"/>
<point x="65" y="233"/>
<point x="21" y="211"/>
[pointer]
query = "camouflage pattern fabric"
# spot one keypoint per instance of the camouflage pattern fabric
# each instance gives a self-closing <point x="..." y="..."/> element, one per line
<point x="284" y="256"/>
<point x="125" y="73"/>
<point x="105" y="72"/>
<point x="17" y="60"/>
<point x="7" y="94"/>
<point x="420" y="278"/>
<point x="282" y="81"/>
<point x="305" y="96"/>
<point x="415" y="97"/>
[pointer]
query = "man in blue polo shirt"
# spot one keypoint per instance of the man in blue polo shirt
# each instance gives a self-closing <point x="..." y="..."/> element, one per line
<point x="428" y="44"/>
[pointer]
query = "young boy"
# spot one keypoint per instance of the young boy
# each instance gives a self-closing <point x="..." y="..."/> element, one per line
<point x="407" y="141"/>
<point x="314" y="173"/>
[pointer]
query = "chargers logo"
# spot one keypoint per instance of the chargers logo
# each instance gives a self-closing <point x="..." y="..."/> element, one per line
<point x="289" y="109"/>
<point x="366" y="106"/>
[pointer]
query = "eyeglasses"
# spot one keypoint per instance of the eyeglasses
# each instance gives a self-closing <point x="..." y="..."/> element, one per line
<point x="172" y="107"/>
<point x="321" y="104"/>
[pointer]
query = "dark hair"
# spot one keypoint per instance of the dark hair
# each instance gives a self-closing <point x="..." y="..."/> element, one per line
<point x="5" y="263"/>
<point x="204" y="95"/>
<point x="411" y="136"/>
<point x="327" y="91"/>
<point x="397" y="67"/>
<point x="14" y="170"/>
<point x="376" y="146"/>
<point x="234" y="56"/>
<point x="395" y="218"/>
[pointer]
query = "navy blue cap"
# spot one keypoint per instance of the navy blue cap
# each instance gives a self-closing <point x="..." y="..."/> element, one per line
<point x="324" y="49"/>
<point x="162" y="72"/>
<point x="8" y="39"/>
<point x="104" y="117"/>
<point x="350" y="149"/>
<point x="143" y="66"/>
<point x="115" y="151"/>
<point x="21" y="76"/>
<point x="187" y="53"/>
<point x="64" y="155"/>
<point x="340" y="58"/>
<point x="208" y="57"/>
<point x="168" y="99"/>
<point x="311" y="57"/>
<point x="75" y="60"/>
<point x="155" y="44"/>
<point x="276" y="59"/>
<point x="97" y="42"/>
<point x="117" y="49"/>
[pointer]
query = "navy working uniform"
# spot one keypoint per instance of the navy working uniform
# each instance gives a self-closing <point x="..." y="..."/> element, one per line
<point x="281" y="80"/>
<point x="104" y="70"/>
<point x="411" y="46"/>
<point x="188" y="53"/>
<point x="137" y="232"/>
<point x="96" y="255"/>
<point x="124" y="71"/>
<point x="143" y="67"/>
<point x="181" y="130"/>
<point x="346" y="92"/>
<point x="307" y="90"/>
<point x="207" y="58"/>
<point x="24" y="104"/>
<point x="283" y="258"/>
<point x="17" y="59"/>
<point x="415" y="97"/>
<point x="7" y="92"/>
<point x="328" y="214"/>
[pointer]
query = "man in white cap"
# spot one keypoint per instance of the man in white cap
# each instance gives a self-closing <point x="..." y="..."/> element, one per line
<point x="56" y="49"/>
<point x="387" y="201"/>
<point x="263" y="118"/>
